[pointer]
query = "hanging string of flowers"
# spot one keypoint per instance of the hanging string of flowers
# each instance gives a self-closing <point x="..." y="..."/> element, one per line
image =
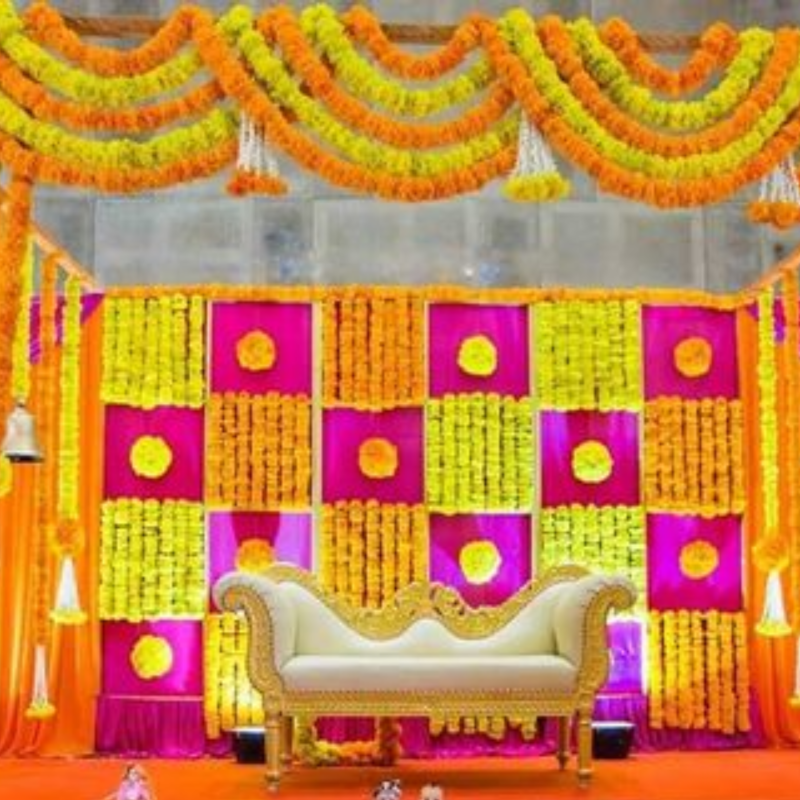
<point x="369" y="550"/>
<point x="494" y="727"/>
<point x="384" y="749"/>
<point x="479" y="453"/>
<point x="153" y="351"/>
<point x="609" y="539"/>
<point x="588" y="355"/>
<point x="152" y="559"/>
<point x="699" y="671"/>
<point x="693" y="456"/>
<point x="372" y="350"/>
<point x="21" y="373"/>
<point x="259" y="451"/>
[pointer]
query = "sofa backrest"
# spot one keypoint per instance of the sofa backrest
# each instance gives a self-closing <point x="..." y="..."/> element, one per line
<point x="319" y="631"/>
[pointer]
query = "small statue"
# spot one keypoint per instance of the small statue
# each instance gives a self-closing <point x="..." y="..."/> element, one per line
<point x="388" y="790"/>
<point x="135" y="785"/>
<point x="431" y="791"/>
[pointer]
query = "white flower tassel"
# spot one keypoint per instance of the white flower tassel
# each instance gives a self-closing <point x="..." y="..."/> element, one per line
<point x="535" y="176"/>
<point x="68" y="605"/>
<point x="773" y="621"/>
<point x="40" y="706"/>
<point x="256" y="165"/>
<point x="778" y="197"/>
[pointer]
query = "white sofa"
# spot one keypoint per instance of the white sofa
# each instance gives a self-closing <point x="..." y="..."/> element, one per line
<point x="542" y="653"/>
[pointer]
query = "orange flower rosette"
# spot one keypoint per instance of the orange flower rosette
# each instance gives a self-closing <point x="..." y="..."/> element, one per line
<point x="378" y="458"/>
<point x="256" y="351"/>
<point x="693" y="357"/>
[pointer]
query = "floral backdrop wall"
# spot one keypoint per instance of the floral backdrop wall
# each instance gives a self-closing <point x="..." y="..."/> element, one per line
<point x="381" y="436"/>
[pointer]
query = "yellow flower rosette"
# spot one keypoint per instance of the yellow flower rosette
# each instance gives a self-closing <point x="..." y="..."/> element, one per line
<point x="479" y="561"/>
<point x="254" y="556"/>
<point x="477" y="356"/>
<point x="150" y="457"/>
<point x="256" y="351"/>
<point x="377" y="458"/>
<point x="592" y="462"/>
<point x="698" y="559"/>
<point x="151" y="657"/>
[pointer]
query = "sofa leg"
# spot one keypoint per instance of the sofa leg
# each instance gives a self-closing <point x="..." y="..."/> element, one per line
<point x="562" y="754"/>
<point x="287" y="741"/>
<point x="272" y="745"/>
<point x="584" y="747"/>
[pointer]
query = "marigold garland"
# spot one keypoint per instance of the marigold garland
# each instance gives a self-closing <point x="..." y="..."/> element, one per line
<point x="151" y="657"/>
<point x="154" y="351"/>
<point x="384" y="749"/>
<point x="372" y="350"/>
<point x="588" y="355"/>
<point x="259" y="451"/>
<point x="694" y="456"/>
<point x="369" y="550"/>
<point x="479" y="453"/>
<point x="6" y="476"/>
<point x="21" y="372"/>
<point x="152" y="559"/>
<point x="699" y="670"/>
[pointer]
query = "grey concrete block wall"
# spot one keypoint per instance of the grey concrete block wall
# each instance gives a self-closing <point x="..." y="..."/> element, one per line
<point x="320" y="234"/>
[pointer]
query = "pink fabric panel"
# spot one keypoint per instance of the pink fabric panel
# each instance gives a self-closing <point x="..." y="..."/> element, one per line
<point x="343" y="432"/>
<point x="181" y="428"/>
<point x="665" y="327"/>
<point x="289" y="535"/>
<point x="506" y="326"/>
<point x="668" y="588"/>
<point x="289" y="325"/>
<point x="561" y="432"/>
<point x="511" y="535"/>
<point x="89" y="304"/>
<point x="186" y="674"/>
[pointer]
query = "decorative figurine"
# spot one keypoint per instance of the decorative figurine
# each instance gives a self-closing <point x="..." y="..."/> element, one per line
<point x="135" y="785"/>
<point x="388" y="790"/>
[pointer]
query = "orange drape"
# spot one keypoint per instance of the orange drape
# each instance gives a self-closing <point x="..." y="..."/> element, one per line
<point x="73" y="653"/>
<point x="773" y="660"/>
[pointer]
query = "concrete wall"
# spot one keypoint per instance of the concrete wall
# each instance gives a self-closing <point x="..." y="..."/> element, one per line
<point x="198" y="234"/>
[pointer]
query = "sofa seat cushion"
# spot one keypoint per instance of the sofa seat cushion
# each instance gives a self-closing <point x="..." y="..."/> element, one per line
<point x="325" y="673"/>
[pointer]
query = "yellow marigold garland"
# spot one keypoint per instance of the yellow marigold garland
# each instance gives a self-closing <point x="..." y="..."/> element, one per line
<point x="699" y="673"/>
<point x="479" y="453"/>
<point x="694" y="461"/>
<point x="152" y="559"/>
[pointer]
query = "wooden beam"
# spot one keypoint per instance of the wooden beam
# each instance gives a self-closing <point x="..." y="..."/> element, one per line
<point x="144" y="27"/>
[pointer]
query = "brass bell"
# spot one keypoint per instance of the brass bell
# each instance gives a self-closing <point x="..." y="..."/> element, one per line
<point x="20" y="444"/>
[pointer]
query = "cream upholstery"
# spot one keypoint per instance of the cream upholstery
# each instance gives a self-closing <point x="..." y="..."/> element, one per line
<point x="543" y="653"/>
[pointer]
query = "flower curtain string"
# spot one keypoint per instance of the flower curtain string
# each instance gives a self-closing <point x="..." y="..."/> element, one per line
<point x="535" y="176"/>
<point x="256" y="165"/>
<point x="779" y="197"/>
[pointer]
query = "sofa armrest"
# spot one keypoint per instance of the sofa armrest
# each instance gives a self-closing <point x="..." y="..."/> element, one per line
<point x="579" y="622"/>
<point x="272" y="621"/>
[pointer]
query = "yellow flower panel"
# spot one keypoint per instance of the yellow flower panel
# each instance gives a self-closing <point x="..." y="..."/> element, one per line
<point x="152" y="559"/>
<point x="258" y="455"/>
<point x="370" y="550"/>
<point x="588" y="355"/>
<point x="699" y="675"/>
<point x="154" y="351"/>
<point x="694" y="457"/>
<point x="230" y="699"/>
<point x="373" y="355"/>
<point x="479" y="453"/>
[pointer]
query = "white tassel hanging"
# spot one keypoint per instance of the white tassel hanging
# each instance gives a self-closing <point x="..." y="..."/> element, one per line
<point x="68" y="606"/>
<point x="778" y="196"/>
<point x="773" y="622"/>
<point x="256" y="165"/>
<point x="535" y="175"/>
<point x="40" y="706"/>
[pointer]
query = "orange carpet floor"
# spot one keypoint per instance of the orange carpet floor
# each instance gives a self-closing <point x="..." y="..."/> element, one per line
<point x="750" y="775"/>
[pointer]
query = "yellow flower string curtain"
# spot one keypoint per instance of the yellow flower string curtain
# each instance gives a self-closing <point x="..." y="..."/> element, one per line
<point x="477" y="356"/>
<point x="693" y="357"/>
<point x="592" y="462"/>
<point x="256" y="351"/>
<point x="495" y="101"/>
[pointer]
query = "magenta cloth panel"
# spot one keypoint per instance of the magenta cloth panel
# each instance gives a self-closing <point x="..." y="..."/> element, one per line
<point x="289" y="325"/>
<point x="562" y="431"/>
<point x="185" y="677"/>
<point x="289" y="535"/>
<point x="89" y="304"/>
<point x="511" y="535"/>
<point x="668" y="588"/>
<point x="506" y="326"/>
<point x="343" y="432"/>
<point x="665" y="327"/>
<point x="625" y="642"/>
<point x="164" y="728"/>
<point x="181" y="428"/>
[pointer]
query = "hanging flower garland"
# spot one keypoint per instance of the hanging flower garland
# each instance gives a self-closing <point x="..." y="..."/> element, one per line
<point x="261" y="446"/>
<point x="21" y="372"/>
<point x="494" y="727"/>
<point x="699" y="670"/>
<point x="588" y="355"/>
<point x="694" y="461"/>
<point x="369" y="550"/>
<point x="152" y="559"/>
<point x="384" y="749"/>
<point x="479" y="453"/>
